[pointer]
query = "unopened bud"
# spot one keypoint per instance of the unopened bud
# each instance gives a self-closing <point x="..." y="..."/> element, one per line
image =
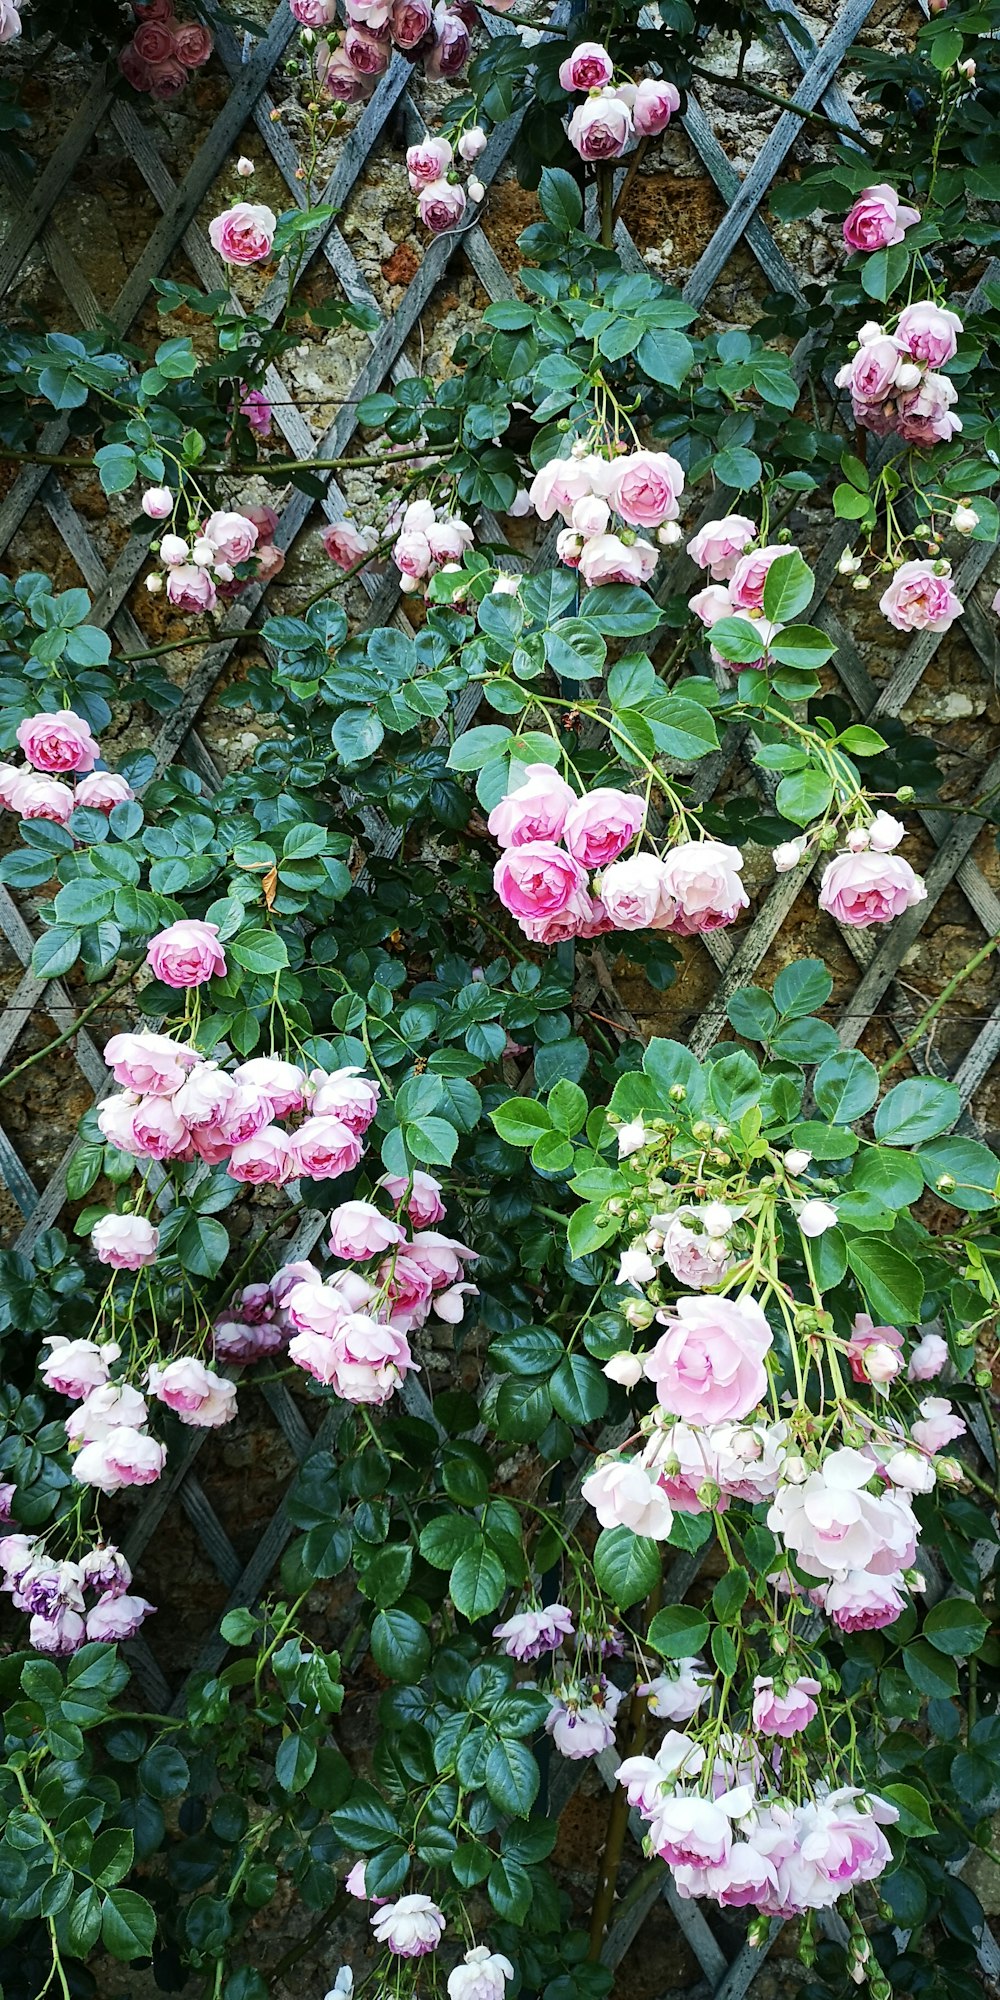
<point x="860" y="582"/>
<point x="677" y="1093"/>
<point x="858" y="839"/>
<point x="639" y="1314"/>
<point x="849" y="563"/>
<point x="154" y="583"/>
<point x="797" y="1160"/>
<point x="669" y="535"/>
<point x="477" y="191"/>
<point x="964" y="519"/>
<point x="624" y="1368"/>
<point x="945" y="1183"/>
<point x="244" y="167"/>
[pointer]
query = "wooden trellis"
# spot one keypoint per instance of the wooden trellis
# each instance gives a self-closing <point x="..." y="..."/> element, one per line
<point x="735" y="957"/>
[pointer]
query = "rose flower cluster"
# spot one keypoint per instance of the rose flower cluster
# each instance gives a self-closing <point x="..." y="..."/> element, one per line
<point x="163" y="51"/>
<point x="58" y="744"/>
<point x="552" y="839"/>
<point x="612" y="113"/>
<point x="642" y="488"/>
<point x="54" y="1594"/>
<point x="441" y="198"/>
<point x="349" y="65"/>
<point x="894" y="378"/>
<point x="219" y="557"/>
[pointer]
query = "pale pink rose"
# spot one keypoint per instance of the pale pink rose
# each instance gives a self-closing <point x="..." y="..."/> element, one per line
<point x="926" y="415"/>
<point x="187" y="953"/>
<point x="193" y="44"/>
<point x="106" y="1410"/>
<point x="233" y="536"/>
<point x="103" y="790"/>
<point x="57" y="742"/>
<point x="157" y="503"/>
<point x="588" y="68"/>
<point x="423" y="1205"/>
<point x="159" y="1133"/>
<point x="581" y="1721"/>
<point x="558" y="485"/>
<point x="409" y="22"/>
<point x="314" y="1307"/>
<point x="937" y="1425"/>
<point x="870" y="888"/>
<point x="929" y="332"/>
<point x="10" y="22"/>
<point x="116" y="1618"/>
<point x="654" y="105"/>
<point x="410" y="1927"/>
<point x="441" y="205"/>
<point x="346" y="545"/>
<point x="167" y="79"/>
<point x="646" y="488"/>
<point x="866" y="1337"/>
<point x="428" y="162"/>
<point x="871" y="373"/>
<point x="345" y="1094"/>
<point x="929" y="1357"/>
<point x="447" y="541"/>
<point x="624" y="1495"/>
<point x="338" y="77"/>
<point x="537" y="880"/>
<point x="596" y="922"/>
<point x="877" y="219"/>
<point x="569" y="547"/>
<point x="718" y="545"/>
<point x="205" y="1097"/>
<point x="313" y="13"/>
<point x="701" y="878"/>
<point x="39" y="797"/>
<point x="358" y="1230"/>
<point x="607" y="559"/>
<point x="283" y="1084"/>
<point x="693" y="1257"/>
<point x="265" y="1160"/>
<point x="441" y="1257"/>
<point x="452" y="47"/>
<point x="861" y="1602"/>
<point x="885" y="833"/>
<point x="711" y="604"/>
<point x="677" y="1696"/>
<point x="194" y="1393"/>
<point x="191" y="588"/>
<point x="173" y="551"/>
<point x="126" y="1242"/>
<point x="148" y="1062"/>
<point x="75" y="1367"/>
<point x="601" y="825"/>
<point x="153" y="41"/>
<point x="535" y="810"/>
<point x="116" y="1118"/>
<point x="832" y="1522"/>
<point x="407" y="1287"/>
<point x="284" y="1281"/>
<point x="368" y="1360"/>
<point x="354" y="1882"/>
<point x="784" y="1714"/>
<point x="60" y="1632"/>
<point x="746" y="587"/>
<point x="125" y="1457"/>
<point x="572" y="921"/>
<point x="270" y="561"/>
<point x="412" y="551"/>
<point x="709" y="1365"/>
<point x="692" y="1831"/>
<point x="365" y="52"/>
<point x="265" y="521"/>
<point x="324" y="1148"/>
<point x="600" y="128"/>
<point x="104" y="1568"/>
<point x="254" y="405"/>
<point x="634" y="894"/>
<point x="243" y="234"/>
<point x="591" y="516"/>
<point x="528" y="1634"/>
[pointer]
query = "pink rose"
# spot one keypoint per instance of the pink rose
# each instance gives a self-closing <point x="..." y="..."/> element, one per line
<point x="346" y="545"/>
<point x="358" y="1230"/>
<point x="264" y="1160"/>
<point x="869" y="888"/>
<point x="784" y="1714"/>
<point x="125" y="1457"/>
<point x="452" y="47"/>
<point x="441" y="205"/>
<point x="866" y="1341"/>
<point x="104" y="1411"/>
<point x="314" y="1307"/>
<point x="255" y="407"/>
<point x="746" y="585"/>
<point x="265" y="521"/>
<point x="709" y="1365"/>
<point x="634" y="894"/>
<point x="448" y="541"/>
<point x="10" y="22"/>
<point x="324" y="1148"/>
<point x="116" y="1618"/>
<point x="538" y="879"/>
<point x="411" y="550"/>
<point x="133" y="66"/>
<point x="154" y="42"/>
<point x="233" y="536"/>
<point x="424" y="1205"/>
<point x="937" y="1424"/>
<point x="157" y="503"/>
<point x="338" y="77"/>
<point x="103" y="790"/>
<point x="832" y="1521"/>
<point x="148" y="1062"/>
<point x="365" y="52"/>
<point x="536" y="810"/>
<point x="601" y="825"/>
<point x="692" y="1256"/>
<point x="646" y="488"/>
<point x="428" y="162"/>
<point x="282" y="1084"/>
<point x="607" y="559"/>
<point x="409" y="22"/>
<point x="925" y="415"/>
<point x="928" y="332"/>
<point x="167" y="79"/>
<point x="193" y="44"/>
<point x="243" y="234"/>
<point x="38" y="797"/>
<point x="61" y="1631"/>
<point x="126" y="1242"/>
<point x="194" y="1393"/>
<point x="624" y="1495"/>
<point x="711" y="604"/>
<point x="718" y="545"/>
<point x="116" y="1118"/>
<point x="860" y="1602"/>
<point x="557" y="487"/>
<point x="407" y="1288"/>
<point x="58" y="742"/>
<point x="877" y="219"/>
<point x="75" y="1367"/>
<point x="187" y="953"/>
<point x="441" y="1257"/>
<point x="472" y="143"/>
<point x="159" y="1133"/>
<point x="270" y="561"/>
<point x="313" y="13"/>
<point x="920" y="598"/>
<point x="600" y="128"/>
<point x="588" y="68"/>
<point x="191" y="588"/>
<point x="929" y="1357"/>
<point x="654" y="106"/>
<point x="702" y="878"/>
<point x="345" y="1094"/>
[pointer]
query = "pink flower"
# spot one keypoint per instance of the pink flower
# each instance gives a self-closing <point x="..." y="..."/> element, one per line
<point x="920" y="598"/>
<point x="929" y="1356"/>
<point x="243" y="234"/>
<point x="193" y="44"/>
<point x="102" y="791"/>
<point x="701" y="877"/>
<point x="711" y="604"/>
<point x="634" y="893"/>
<point x="472" y="143"/>
<point x="126" y="1242"/>
<point x="38" y="797"/>
<point x="411" y="553"/>
<point x="654" y="106"/>
<point x="254" y="406"/>
<point x="362" y="1360"/>
<point x="440" y="205"/>
<point x="104" y="1568"/>
<point x="588" y="68"/>
<point x="693" y="1256"/>
<point x="600" y="128"/>
<point x="187" y="953"/>
<point x="410" y="1927"/>
<point x="313" y="13"/>
<point x="441" y="1257"/>
<point x="148" y="1062"/>
<point x="600" y="826"/>
<point x="482" y="1976"/>
<point x="861" y="1602"/>
<point x="535" y="811"/>
<point x="75" y="1367"/>
<point x="558" y="485"/>
<point x="265" y="1160"/>
<point x="538" y="879"/>
<point x="125" y="1457"/>
<point x="157" y="503"/>
<point x="784" y="1714"/>
<point x="193" y="1392"/>
<point x="866" y="1336"/>
<point x="749" y="575"/>
<point x="283" y="1084"/>
<point x="167" y="79"/>
<point x="312" y="1306"/>
<point x="10" y="22"/>
<point x="718" y="546"/>
<point x="346" y="1094"/>
<point x="869" y="888"/>
<point x="424" y="1206"/>
<point x="365" y="52"/>
<point x="61" y="1633"/>
<point x="428" y="162"/>
<point x="677" y="1696"/>
<point x="191" y="588"/>
<point x="928" y="332"/>
<point x="116" y="1618"/>
<point x="409" y="22"/>
<point x="529" y="1634"/>
<point x="624" y="1495"/>
<point x="233" y="536"/>
<point x="832" y="1522"/>
<point x="153" y="41"/>
<point x="324" y="1148"/>
<point x="338" y="77"/>
<point x="453" y="45"/>
<point x="607" y="559"/>
<point x="58" y="741"/>
<point x="346" y="545"/>
<point x="159" y="1133"/>
<point x="205" y="1097"/>
<point x="937" y="1424"/>
<point x="358" y="1230"/>
<point x="581" y="1721"/>
<point x="926" y="416"/>
<point x="407" y="1286"/>
<point x="877" y="219"/>
<point x="709" y="1365"/>
<point x="646" y="488"/>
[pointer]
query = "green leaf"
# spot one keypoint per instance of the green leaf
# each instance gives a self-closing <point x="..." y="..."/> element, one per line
<point x="366" y="1821"/>
<point x="956" y="1626"/>
<point x="567" y="1107"/>
<point x="574" y="650"/>
<point x="579" y="1390"/>
<point x="916" y="1110"/>
<point x="164" y="1772"/>
<point x="883" y="273"/>
<point x="445" y="1538"/>
<point x="892" y="1177"/>
<point x="846" y="1086"/>
<point x="928" y="1672"/>
<point x="666" y="356"/>
<point x="971" y="1166"/>
<point x="432" y="1141"/>
<point x="804" y="796"/>
<point x="116" y="464"/>
<point x="679" y="1632"/>
<point x="730" y="1595"/>
<point x="55" y="951"/>
<point x="111" y="1856"/>
<point x="626" y="1566"/>
<point x="560" y="199"/>
<point x="621" y="610"/>
<point x="682" y="728"/>
<point x="738" y="468"/>
<point x="476" y="747"/>
<point x="788" y="588"/>
<point x="915" y="1817"/>
<point x="892" y="1285"/>
<point x="357" y="734"/>
<point x="259" y="950"/>
<point x="400" y="1647"/>
<point x="128" y="1924"/>
<point x="295" y="1762"/>
<point x="478" y="1581"/>
<point x="511" y="1777"/>
<point x="521" y="1120"/>
<point x="803" y="987"/>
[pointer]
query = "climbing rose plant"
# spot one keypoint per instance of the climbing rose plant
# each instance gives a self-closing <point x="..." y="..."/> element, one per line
<point x="706" y="1494"/>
